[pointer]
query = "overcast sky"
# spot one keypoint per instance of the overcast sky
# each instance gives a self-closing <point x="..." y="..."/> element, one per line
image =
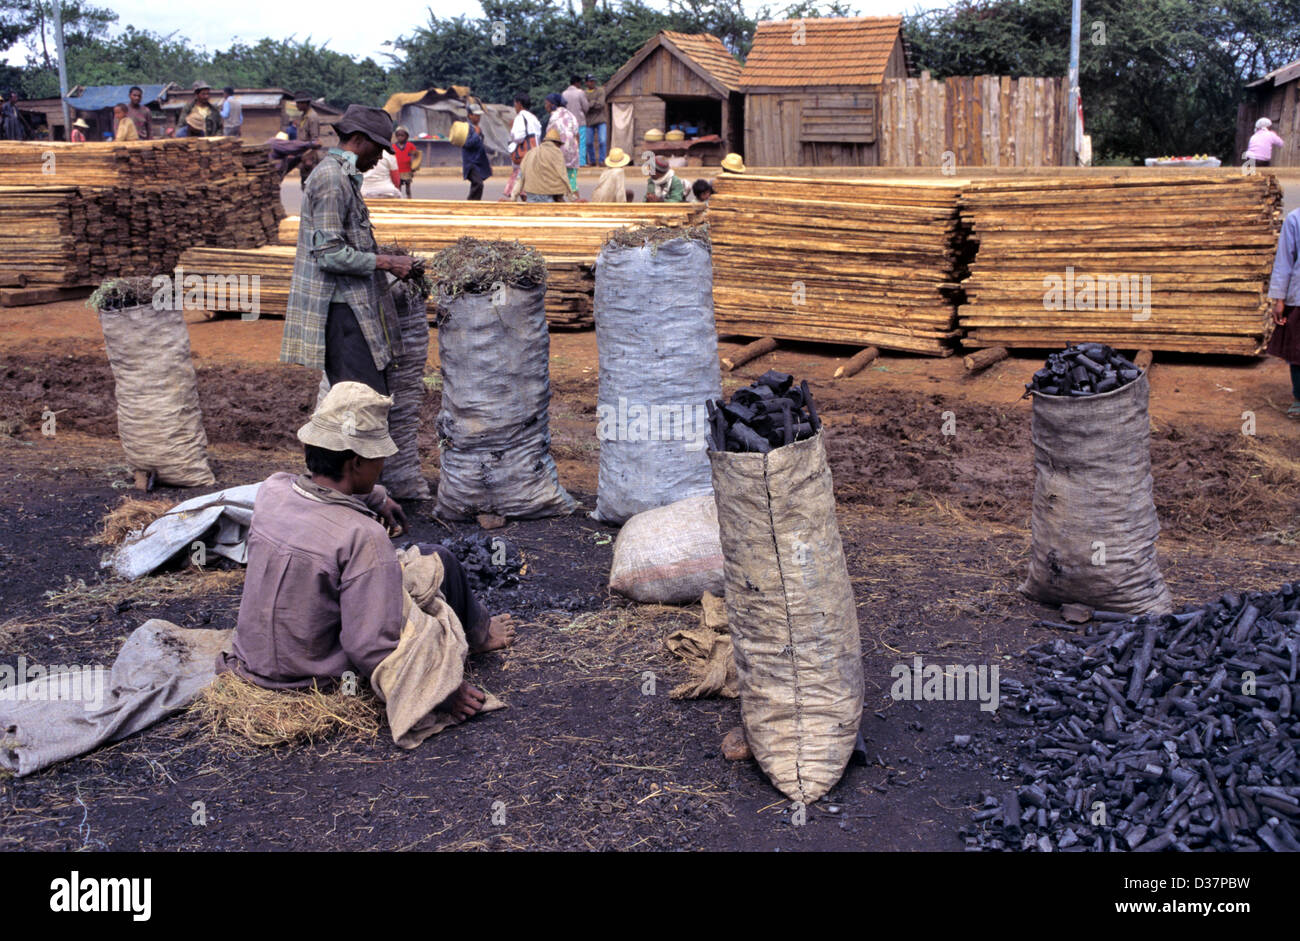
<point x="350" y="27"/>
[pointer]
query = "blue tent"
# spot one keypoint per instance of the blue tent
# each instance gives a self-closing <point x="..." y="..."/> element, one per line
<point x="98" y="97"/>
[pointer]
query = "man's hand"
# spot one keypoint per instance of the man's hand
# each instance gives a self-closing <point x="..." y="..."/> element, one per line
<point x="394" y="517"/>
<point x="1279" y="312"/>
<point x="400" y="265"/>
<point x="652" y="198"/>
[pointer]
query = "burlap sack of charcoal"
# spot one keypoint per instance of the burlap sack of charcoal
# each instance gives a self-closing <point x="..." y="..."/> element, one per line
<point x="402" y="475"/>
<point x="791" y="613"/>
<point x="159" y="420"/>
<point x="1094" y="523"/>
<point x="658" y="363"/>
<point x="494" y="347"/>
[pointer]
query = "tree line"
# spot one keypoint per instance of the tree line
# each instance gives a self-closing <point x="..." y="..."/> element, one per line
<point x="1156" y="76"/>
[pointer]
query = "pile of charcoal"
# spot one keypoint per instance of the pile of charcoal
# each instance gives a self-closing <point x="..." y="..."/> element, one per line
<point x="1179" y="733"/>
<point x="770" y="413"/>
<point x="1086" y="369"/>
<point x="489" y="561"/>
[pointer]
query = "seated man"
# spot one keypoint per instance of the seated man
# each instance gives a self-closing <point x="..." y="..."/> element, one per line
<point x="324" y="593"/>
<point x="664" y="186"/>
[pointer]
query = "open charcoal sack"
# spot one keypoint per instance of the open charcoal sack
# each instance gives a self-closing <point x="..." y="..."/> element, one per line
<point x="791" y="612"/>
<point x="494" y="427"/>
<point x="158" y="416"/>
<point x="1094" y="523"/>
<point x="403" y="476"/>
<point x="658" y="351"/>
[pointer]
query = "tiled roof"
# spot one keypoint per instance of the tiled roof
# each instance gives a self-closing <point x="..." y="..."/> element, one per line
<point x="833" y="51"/>
<point x="710" y="54"/>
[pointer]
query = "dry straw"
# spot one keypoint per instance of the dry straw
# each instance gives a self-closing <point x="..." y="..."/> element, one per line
<point x="131" y="515"/>
<point x="238" y="713"/>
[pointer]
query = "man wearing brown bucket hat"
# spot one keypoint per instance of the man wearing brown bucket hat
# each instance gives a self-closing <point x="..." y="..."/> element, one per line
<point x="340" y="316"/>
<point x="326" y="593"/>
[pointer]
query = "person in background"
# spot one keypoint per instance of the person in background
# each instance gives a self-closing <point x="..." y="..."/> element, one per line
<point x="340" y="316"/>
<point x="597" y="121"/>
<point x="612" y="186"/>
<point x="564" y="121"/>
<point x="408" y="158"/>
<point x="699" y="192"/>
<point x="308" y="130"/>
<point x="79" y="129"/>
<point x="291" y="131"/>
<point x="525" y="134"/>
<point x="381" y="181"/>
<point x="139" y="114"/>
<point x="123" y="127"/>
<point x="199" y="117"/>
<point x="1284" y="295"/>
<point x="664" y="186"/>
<point x="232" y="114"/>
<point x="1262" y="142"/>
<point x="543" y="177"/>
<point x="575" y="100"/>
<point x="12" y="124"/>
<point x="474" y="162"/>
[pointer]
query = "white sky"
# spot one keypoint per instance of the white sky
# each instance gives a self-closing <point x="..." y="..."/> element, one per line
<point x="358" y="29"/>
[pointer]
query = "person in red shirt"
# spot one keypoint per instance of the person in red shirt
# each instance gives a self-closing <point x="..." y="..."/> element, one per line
<point x="408" y="157"/>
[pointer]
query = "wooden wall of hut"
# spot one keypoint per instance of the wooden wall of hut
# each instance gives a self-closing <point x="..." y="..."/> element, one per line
<point x="813" y="127"/>
<point x="1281" y="104"/>
<point x="981" y="120"/>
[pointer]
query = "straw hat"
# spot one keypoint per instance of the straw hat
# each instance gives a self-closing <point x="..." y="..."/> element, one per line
<point x="733" y="163"/>
<point x="81" y="123"/>
<point x="617" y="158"/>
<point x="553" y="133"/>
<point x="654" y="134"/>
<point x="459" y="133"/>
<point x="352" y="417"/>
<point x="675" y="135"/>
<point x="283" y="135"/>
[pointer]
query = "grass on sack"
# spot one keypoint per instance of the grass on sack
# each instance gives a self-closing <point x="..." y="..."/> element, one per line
<point x="239" y="714"/>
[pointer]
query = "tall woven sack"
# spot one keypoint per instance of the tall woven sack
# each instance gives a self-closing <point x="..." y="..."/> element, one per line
<point x="1094" y="518"/>
<point x="658" y="351"/>
<point x="158" y="416"/>
<point x="403" y="477"/>
<point x="494" y="424"/>
<point x="791" y="613"/>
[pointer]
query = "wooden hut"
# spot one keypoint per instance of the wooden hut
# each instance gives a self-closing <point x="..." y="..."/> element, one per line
<point x="1276" y="96"/>
<point x="678" y="80"/>
<point x="812" y="89"/>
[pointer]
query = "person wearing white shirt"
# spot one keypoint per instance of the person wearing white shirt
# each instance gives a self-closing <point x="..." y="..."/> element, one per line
<point x="377" y="182"/>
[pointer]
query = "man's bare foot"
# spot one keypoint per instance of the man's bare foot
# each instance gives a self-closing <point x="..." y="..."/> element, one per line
<point x="501" y="633"/>
<point x="465" y="703"/>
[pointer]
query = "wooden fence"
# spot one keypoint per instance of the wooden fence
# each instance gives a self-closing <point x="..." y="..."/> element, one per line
<point x="978" y="121"/>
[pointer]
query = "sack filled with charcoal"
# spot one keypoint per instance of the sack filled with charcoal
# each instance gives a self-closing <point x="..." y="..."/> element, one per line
<point x="658" y="350"/>
<point x="789" y="601"/>
<point x="1094" y="523"/>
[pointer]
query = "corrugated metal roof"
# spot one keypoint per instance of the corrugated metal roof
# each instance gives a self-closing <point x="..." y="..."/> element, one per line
<point x="710" y="54"/>
<point x="825" y="51"/>
<point x="259" y="101"/>
<point x="95" y="97"/>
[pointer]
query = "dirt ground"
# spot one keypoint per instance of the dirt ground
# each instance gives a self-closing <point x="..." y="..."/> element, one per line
<point x="935" y="528"/>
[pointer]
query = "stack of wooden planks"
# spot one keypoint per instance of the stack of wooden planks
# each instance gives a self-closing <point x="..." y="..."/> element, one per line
<point x="80" y="213"/>
<point x="1174" y="261"/>
<point x="842" y="261"/>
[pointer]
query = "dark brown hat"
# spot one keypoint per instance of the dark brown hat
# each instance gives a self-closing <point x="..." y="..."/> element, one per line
<point x="303" y="96"/>
<point x="372" y="122"/>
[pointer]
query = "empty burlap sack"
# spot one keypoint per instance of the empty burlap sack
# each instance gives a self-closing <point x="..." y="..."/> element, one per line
<point x="658" y="350"/>
<point x="669" y="555"/>
<point x="429" y="662"/>
<point x="708" y="654"/>
<point x="1094" y="519"/>
<point x="791" y="614"/>
<point x="494" y="425"/>
<point x="403" y="476"/>
<point x="158" y="415"/>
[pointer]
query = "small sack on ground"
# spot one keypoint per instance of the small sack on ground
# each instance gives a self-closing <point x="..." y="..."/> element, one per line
<point x="159" y="420"/>
<point x="669" y="555"/>
<point x="1094" y="524"/>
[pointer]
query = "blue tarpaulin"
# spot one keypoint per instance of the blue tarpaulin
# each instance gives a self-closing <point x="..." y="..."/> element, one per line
<point x="96" y="97"/>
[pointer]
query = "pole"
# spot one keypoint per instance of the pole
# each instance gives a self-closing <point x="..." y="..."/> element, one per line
<point x="1076" y="14"/>
<point x="63" y="72"/>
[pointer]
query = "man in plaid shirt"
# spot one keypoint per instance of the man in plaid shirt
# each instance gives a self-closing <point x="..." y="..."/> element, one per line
<point x="340" y="316"/>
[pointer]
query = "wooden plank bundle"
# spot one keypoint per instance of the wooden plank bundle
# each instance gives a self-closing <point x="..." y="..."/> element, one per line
<point x="570" y="281"/>
<point x="1174" y="262"/>
<point x="868" y="263"/>
<point x="80" y="213"/>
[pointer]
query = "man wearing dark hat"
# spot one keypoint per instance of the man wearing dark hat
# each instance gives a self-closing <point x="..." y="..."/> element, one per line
<point x="308" y="130"/>
<point x="340" y="316"/>
<point x="198" y="117"/>
<point x="664" y="186"/>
